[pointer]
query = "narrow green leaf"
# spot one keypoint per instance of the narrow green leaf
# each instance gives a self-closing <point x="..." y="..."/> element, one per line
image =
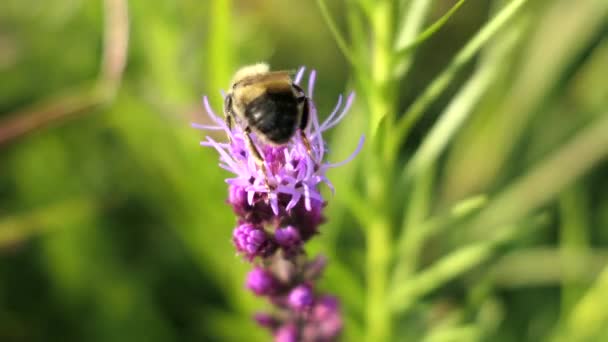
<point x="428" y="32"/>
<point x="544" y="181"/>
<point x="339" y="38"/>
<point x="415" y="111"/>
<point x="404" y="295"/>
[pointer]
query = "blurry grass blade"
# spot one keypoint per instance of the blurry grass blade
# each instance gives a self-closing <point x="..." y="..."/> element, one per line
<point x="366" y="6"/>
<point x="333" y="28"/>
<point x="544" y="181"/>
<point x="17" y="229"/>
<point x="405" y="294"/>
<point x="469" y="205"/>
<point x="589" y="317"/>
<point x="469" y="332"/>
<point x="413" y="18"/>
<point x="462" y="105"/>
<point x="546" y="266"/>
<point x="52" y="110"/>
<point x="534" y="88"/>
<point x="413" y="236"/>
<point x="116" y="41"/>
<point x="220" y="49"/>
<point x="413" y="14"/>
<point x="356" y="204"/>
<point x="358" y="31"/>
<point x="428" y="32"/>
<point x="440" y="83"/>
<point x="574" y="238"/>
<point x="451" y="120"/>
<point x="80" y="99"/>
<point x="413" y="231"/>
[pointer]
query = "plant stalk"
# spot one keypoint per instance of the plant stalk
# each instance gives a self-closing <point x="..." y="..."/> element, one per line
<point x="382" y="105"/>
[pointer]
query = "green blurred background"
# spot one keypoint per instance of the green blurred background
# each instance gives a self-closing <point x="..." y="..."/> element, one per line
<point x="113" y="222"/>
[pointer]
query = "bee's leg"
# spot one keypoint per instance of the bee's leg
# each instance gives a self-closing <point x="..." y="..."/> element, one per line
<point x="306" y="142"/>
<point x="259" y="160"/>
<point x="304" y="119"/>
<point x="228" y="114"/>
<point x="228" y="121"/>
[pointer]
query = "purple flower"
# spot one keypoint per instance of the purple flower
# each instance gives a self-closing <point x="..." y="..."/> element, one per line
<point x="288" y="237"/>
<point x="301" y="297"/>
<point x="315" y="268"/>
<point x="261" y="282"/>
<point x="266" y="320"/>
<point x="325" y="322"/>
<point x="287" y="333"/>
<point x="257" y="213"/>
<point x="280" y="207"/>
<point x="251" y="240"/>
<point x="291" y="170"/>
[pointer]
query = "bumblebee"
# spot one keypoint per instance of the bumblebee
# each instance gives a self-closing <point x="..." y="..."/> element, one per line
<point x="269" y="104"/>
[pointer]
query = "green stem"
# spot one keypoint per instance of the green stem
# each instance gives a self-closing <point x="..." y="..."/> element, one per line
<point x="382" y="105"/>
<point x="378" y="257"/>
<point x="383" y="95"/>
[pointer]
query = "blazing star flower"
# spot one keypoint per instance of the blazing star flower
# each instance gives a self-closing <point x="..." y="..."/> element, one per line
<point x="291" y="170"/>
<point x="279" y="207"/>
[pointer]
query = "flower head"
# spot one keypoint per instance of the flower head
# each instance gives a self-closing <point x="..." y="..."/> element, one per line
<point x="291" y="172"/>
<point x="301" y="297"/>
<point x="261" y="282"/>
<point x="252" y="240"/>
<point x="325" y="322"/>
<point x="288" y="237"/>
<point x="287" y="333"/>
<point x="279" y="207"/>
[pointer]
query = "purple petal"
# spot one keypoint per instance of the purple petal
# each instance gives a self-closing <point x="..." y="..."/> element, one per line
<point x="250" y="195"/>
<point x="353" y="155"/>
<point x="311" y="83"/>
<point x="333" y="113"/>
<point x="307" y="204"/>
<point x="299" y="75"/>
<point x="206" y="127"/>
<point x="208" y="144"/>
<point x="228" y="168"/>
<point x="345" y="110"/>
<point x="315" y="196"/>
<point x="225" y="156"/>
<point x="211" y="113"/>
<point x="319" y="137"/>
<point x="295" y="198"/>
<point x="329" y="185"/>
<point x="240" y="182"/>
<point x="274" y="202"/>
<point x="257" y="188"/>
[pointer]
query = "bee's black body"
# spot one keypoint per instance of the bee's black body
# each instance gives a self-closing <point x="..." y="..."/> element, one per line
<point x="268" y="104"/>
<point x="275" y="115"/>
